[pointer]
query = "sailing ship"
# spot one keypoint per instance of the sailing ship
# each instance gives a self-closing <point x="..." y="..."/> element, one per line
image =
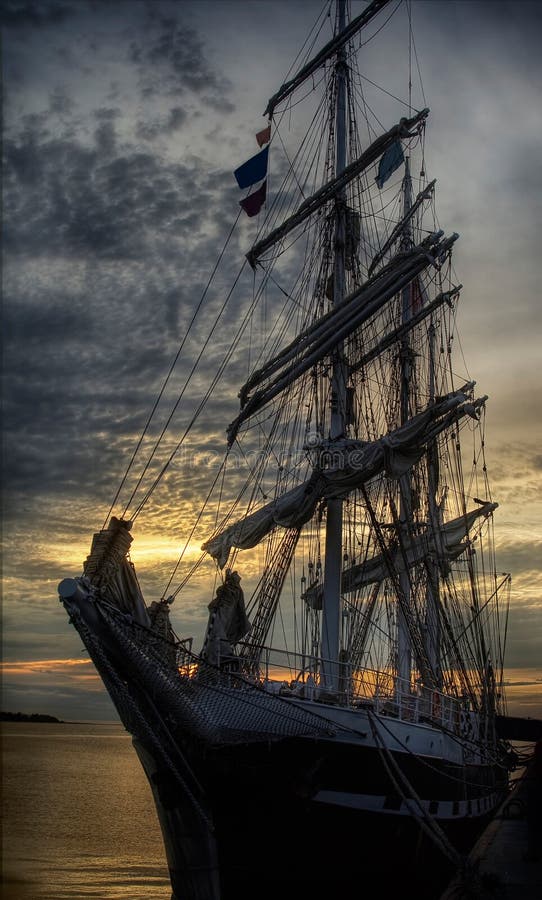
<point x="339" y="719"/>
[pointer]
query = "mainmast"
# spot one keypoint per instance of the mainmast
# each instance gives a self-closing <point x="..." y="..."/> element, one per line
<point x="404" y="652"/>
<point x="331" y="617"/>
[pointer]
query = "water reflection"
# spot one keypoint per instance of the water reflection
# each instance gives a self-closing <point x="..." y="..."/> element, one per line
<point x="79" y="820"/>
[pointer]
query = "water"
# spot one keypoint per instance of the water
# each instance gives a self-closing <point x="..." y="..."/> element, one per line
<point x="78" y="816"/>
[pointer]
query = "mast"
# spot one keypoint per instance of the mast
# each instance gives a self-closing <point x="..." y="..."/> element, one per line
<point x="404" y="650"/>
<point x="331" y="616"/>
<point x="334" y="46"/>
<point x="332" y="189"/>
<point x="434" y="516"/>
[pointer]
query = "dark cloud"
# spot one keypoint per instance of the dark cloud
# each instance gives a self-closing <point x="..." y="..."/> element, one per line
<point x="174" y="121"/>
<point x="524" y="637"/>
<point x="93" y="298"/>
<point x="61" y="103"/>
<point x="105" y="137"/>
<point x="63" y="197"/>
<point x="521" y="556"/>
<point x="34" y="13"/>
<point x="174" y="62"/>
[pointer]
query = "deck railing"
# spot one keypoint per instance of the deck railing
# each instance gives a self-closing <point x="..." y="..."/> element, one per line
<point x="298" y="675"/>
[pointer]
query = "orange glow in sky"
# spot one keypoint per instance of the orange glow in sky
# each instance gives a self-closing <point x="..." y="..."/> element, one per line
<point x="49" y="666"/>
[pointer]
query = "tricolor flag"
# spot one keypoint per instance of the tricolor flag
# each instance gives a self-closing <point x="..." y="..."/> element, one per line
<point x="392" y="159"/>
<point x="255" y="169"/>
<point x="254" y="202"/>
<point x="264" y="136"/>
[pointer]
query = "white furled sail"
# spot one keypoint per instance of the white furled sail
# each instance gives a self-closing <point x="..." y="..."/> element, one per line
<point x="354" y="463"/>
<point x="442" y="545"/>
<point x="325" y="335"/>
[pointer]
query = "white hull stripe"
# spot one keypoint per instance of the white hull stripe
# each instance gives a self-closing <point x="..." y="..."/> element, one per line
<point x="439" y="809"/>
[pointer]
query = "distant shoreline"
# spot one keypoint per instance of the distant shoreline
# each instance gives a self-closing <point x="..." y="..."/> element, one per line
<point x="33" y="717"/>
<point x="51" y="720"/>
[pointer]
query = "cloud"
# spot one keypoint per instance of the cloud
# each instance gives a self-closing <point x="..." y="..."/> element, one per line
<point x="66" y="699"/>
<point x="35" y="13"/>
<point x="173" y="61"/>
<point x="92" y="292"/>
<point x="63" y="198"/>
<point x="94" y="227"/>
<point x="174" y="121"/>
<point x="42" y="666"/>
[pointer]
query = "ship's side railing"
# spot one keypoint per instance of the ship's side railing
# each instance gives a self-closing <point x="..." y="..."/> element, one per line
<point x="297" y="675"/>
<point x="184" y="656"/>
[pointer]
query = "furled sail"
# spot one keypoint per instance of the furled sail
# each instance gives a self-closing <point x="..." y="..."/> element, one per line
<point x="353" y="463"/>
<point x="445" y="544"/>
<point x="291" y="510"/>
<point x="109" y="570"/>
<point x="332" y="188"/>
<point x="228" y="621"/>
<point x="327" y="332"/>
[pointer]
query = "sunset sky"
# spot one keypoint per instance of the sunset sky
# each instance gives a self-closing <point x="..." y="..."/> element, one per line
<point x="123" y="123"/>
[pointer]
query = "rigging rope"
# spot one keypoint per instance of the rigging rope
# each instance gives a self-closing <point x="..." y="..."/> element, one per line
<point x="404" y="788"/>
<point x="164" y="385"/>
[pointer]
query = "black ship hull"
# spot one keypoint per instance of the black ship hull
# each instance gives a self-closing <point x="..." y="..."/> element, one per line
<point x="269" y="832"/>
<point x="306" y="812"/>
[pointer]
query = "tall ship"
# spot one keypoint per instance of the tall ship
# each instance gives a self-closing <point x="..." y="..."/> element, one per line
<point x="335" y="724"/>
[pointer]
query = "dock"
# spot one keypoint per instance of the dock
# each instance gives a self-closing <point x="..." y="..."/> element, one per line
<point x="503" y="864"/>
